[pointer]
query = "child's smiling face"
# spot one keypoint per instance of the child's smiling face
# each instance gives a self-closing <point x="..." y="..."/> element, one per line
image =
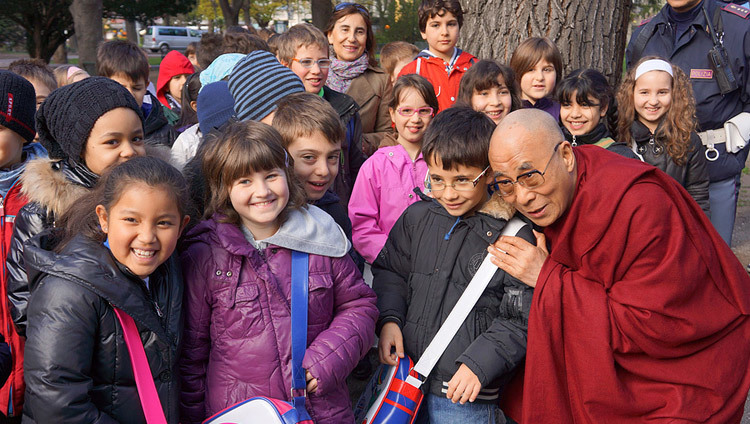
<point x="259" y="198"/>
<point x="142" y="227"/>
<point x="441" y="34"/>
<point x="494" y="102"/>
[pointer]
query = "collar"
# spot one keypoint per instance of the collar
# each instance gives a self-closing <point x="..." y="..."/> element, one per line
<point x="599" y="132"/>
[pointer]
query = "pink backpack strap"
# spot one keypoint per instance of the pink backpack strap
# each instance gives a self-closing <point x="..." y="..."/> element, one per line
<point x="144" y="380"/>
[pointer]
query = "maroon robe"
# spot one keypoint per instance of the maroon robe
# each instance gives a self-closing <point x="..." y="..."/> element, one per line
<point x="640" y="313"/>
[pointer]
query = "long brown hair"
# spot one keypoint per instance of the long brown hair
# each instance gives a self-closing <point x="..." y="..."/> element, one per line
<point x="677" y="124"/>
<point x="243" y="148"/>
<point x="350" y="10"/>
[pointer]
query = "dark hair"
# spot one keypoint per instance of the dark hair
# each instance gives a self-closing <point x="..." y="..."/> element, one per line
<point x="81" y="218"/>
<point x="237" y="29"/>
<point x="531" y="51"/>
<point x="188" y="115"/>
<point x="483" y="76"/>
<point x="273" y="43"/>
<point x="209" y="48"/>
<point x="301" y="114"/>
<point x="394" y="52"/>
<point x="34" y="68"/>
<point x="243" y="42"/>
<point x="419" y="83"/>
<point x="457" y="136"/>
<point x="351" y="9"/>
<point x="122" y="57"/>
<point x="431" y="8"/>
<point x="243" y="148"/>
<point x="587" y="84"/>
<point x="191" y="48"/>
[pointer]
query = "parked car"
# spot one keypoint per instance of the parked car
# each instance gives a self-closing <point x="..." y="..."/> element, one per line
<point x="166" y="38"/>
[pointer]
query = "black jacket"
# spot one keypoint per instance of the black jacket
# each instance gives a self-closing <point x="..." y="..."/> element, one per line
<point x="331" y="204"/>
<point x="51" y="186"/>
<point x="424" y="267"/>
<point x="596" y="135"/>
<point x="156" y="126"/>
<point x="693" y="175"/>
<point x="77" y="367"/>
<point x="351" y="147"/>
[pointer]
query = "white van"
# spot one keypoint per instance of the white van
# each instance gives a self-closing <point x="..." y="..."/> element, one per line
<point x="166" y="38"/>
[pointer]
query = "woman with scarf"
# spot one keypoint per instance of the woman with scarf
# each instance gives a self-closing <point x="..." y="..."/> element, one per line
<point x="354" y="71"/>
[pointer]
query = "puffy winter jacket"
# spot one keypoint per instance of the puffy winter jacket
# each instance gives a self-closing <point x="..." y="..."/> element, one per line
<point x="383" y="190"/>
<point x="156" y="125"/>
<point x="693" y="175"/>
<point x="426" y="265"/>
<point x="237" y="317"/>
<point x="445" y="77"/>
<point x="77" y="365"/>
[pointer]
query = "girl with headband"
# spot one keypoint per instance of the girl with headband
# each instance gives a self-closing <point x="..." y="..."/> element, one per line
<point x="657" y="120"/>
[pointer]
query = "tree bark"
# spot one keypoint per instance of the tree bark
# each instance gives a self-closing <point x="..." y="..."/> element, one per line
<point x="87" y="19"/>
<point x="321" y="12"/>
<point x="231" y="11"/>
<point x="132" y="32"/>
<point x="589" y="34"/>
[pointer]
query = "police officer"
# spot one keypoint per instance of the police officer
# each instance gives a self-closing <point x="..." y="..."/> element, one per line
<point x="719" y="70"/>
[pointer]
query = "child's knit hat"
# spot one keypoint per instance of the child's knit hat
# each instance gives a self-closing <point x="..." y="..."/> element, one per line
<point x="17" y="104"/>
<point x="257" y="82"/>
<point x="215" y="106"/>
<point x="65" y="119"/>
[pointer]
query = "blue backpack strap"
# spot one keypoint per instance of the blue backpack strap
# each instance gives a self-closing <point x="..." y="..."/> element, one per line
<point x="299" y="329"/>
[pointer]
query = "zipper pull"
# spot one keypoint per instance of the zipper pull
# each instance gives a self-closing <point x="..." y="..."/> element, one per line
<point x="158" y="309"/>
<point x="574" y="143"/>
<point x="2" y="206"/>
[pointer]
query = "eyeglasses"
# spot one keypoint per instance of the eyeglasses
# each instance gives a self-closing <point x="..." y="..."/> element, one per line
<point x="457" y="185"/>
<point x="530" y="180"/>
<point x="308" y="63"/>
<point x="407" y="112"/>
<point x="347" y="4"/>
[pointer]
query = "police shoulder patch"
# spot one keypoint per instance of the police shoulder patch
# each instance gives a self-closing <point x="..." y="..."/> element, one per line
<point x="645" y="21"/>
<point x="735" y="9"/>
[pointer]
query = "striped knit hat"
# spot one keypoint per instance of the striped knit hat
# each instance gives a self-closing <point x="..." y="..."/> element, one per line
<point x="257" y="82"/>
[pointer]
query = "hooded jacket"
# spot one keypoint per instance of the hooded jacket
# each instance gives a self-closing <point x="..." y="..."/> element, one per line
<point x="173" y="64"/>
<point x="693" y="175"/>
<point x="237" y="340"/>
<point x="383" y="190"/>
<point x="11" y="394"/>
<point x="425" y="266"/>
<point x="156" y="127"/>
<point x="445" y="77"/>
<point x="77" y="366"/>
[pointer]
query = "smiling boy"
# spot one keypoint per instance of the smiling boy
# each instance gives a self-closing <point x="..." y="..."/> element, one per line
<point x="442" y="63"/>
<point x="431" y="254"/>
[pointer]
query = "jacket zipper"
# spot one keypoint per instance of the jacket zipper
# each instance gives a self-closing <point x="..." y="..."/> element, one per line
<point x="574" y="143"/>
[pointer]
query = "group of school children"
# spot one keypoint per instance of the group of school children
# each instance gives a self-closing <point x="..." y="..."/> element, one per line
<point x="301" y="143"/>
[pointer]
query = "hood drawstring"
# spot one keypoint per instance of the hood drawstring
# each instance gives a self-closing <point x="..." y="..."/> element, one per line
<point x="448" y="234"/>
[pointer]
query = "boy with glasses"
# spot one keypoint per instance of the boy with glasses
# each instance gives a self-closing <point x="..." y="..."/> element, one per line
<point x="431" y="254"/>
<point x="304" y="50"/>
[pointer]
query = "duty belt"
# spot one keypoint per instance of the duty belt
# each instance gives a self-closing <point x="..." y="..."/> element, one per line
<point x="709" y="139"/>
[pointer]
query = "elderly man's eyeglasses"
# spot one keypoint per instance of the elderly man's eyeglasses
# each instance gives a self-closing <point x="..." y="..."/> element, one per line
<point x="408" y="112"/>
<point x="347" y="4"/>
<point x="308" y="63"/>
<point x="460" y="185"/>
<point x="530" y="180"/>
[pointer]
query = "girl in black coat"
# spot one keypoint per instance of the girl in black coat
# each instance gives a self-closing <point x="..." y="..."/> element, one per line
<point x="116" y="250"/>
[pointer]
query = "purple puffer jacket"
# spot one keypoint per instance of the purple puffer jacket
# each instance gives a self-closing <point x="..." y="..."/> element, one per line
<point x="237" y="342"/>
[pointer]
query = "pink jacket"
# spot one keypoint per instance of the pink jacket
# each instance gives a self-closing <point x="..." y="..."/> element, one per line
<point x="383" y="190"/>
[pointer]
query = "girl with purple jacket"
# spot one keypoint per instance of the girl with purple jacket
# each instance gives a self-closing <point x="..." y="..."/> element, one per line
<point x="386" y="181"/>
<point x="237" y="270"/>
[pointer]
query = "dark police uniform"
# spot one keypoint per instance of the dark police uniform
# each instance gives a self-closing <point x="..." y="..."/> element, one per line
<point x="690" y="53"/>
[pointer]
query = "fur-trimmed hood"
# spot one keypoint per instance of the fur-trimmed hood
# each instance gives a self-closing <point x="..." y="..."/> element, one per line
<point x="56" y="185"/>
<point x="498" y="208"/>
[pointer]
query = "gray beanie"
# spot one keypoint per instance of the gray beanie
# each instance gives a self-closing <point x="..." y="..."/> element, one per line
<point x="257" y="82"/>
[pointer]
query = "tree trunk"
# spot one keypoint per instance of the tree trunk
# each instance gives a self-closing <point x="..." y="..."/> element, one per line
<point x="246" y="14"/>
<point x="87" y="19"/>
<point x="321" y="12"/>
<point x="231" y="11"/>
<point x="132" y="32"/>
<point x="589" y="34"/>
<point x="61" y="55"/>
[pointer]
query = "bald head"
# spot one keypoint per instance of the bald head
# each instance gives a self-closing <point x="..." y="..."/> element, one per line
<point x="530" y="141"/>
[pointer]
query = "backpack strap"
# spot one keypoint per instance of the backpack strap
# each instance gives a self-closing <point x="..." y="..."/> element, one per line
<point x="300" y="287"/>
<point x="144" y="380"/>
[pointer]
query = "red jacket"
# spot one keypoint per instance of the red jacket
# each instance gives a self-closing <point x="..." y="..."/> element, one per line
<point x="173" y="64"/>
<point x="9" y="207"/>
<point x="640" y="312"/>
<point x="444" y="80"/>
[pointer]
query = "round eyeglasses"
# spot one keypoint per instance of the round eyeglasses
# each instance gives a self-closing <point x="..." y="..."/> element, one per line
<point x="530" y="180"/>
<point x="461" y="185"/>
